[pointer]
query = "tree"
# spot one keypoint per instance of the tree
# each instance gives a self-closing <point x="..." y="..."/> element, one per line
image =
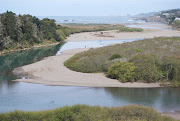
<point x="10" y="28"/>
<point x="147" y="68"/>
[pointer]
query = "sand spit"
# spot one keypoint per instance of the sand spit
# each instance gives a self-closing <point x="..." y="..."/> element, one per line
<point x="51" y="70"/>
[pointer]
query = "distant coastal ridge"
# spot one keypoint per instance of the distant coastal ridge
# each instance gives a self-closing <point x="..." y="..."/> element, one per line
<point x="166" y="16"/>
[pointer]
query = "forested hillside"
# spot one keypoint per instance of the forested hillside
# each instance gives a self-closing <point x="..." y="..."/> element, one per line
<point x="20" y="31"/>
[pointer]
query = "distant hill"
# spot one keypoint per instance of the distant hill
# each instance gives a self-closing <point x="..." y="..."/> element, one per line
<point x="20" y="31"/>
<point x="166" y="16"/>
<point x="146" y="14"/>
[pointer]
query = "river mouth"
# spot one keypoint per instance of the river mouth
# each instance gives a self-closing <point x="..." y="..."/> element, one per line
<point x="35" y="97"/>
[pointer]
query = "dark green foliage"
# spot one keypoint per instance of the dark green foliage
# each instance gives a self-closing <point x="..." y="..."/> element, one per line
<point x="124" y="72"/>
<point x="49" y="29"/>
<point x="147" y="68"/>
<point x="88" y="113"/>
<point x="171" y="70"/>
<point x="25" y="31"/>
<point x="115" y="56"/>
<point x="10" y="28"/>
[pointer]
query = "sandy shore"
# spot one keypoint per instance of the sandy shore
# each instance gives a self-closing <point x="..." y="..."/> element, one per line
<point x="175" y="115"/>
<point x="114" y="35"/>
<point x="51" y="70"/>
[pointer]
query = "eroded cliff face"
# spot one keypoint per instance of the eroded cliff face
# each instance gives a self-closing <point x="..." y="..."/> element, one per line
<point x="156" y="19"/>
<point x="153" y="19"/>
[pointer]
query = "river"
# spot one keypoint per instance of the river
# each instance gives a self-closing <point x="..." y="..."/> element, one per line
<point x="35" y="97"/>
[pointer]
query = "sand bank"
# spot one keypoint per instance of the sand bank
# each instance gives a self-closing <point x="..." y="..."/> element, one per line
<point x="175" y="115"/>
<point x="115" y="35"/>
<point x="51" y="70"/>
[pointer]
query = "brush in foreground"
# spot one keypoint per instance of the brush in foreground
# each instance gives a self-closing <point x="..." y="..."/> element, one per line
<point x="88" y="113"/>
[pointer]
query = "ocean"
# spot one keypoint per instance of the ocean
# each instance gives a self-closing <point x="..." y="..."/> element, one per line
<point x="92" y="19"/>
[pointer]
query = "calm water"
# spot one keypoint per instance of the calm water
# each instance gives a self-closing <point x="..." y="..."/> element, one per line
<point x="149" y="27"/>
<point x="33" y="97"/>
<point x="91" y="19"/>
<point x="92" y="44"/>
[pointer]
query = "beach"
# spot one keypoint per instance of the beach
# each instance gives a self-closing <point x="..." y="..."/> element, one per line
<point x="51" y="70"/>
<point x="115" y="35"/>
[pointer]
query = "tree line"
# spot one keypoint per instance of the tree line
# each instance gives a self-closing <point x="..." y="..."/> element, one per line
<point x="20" y="31"/>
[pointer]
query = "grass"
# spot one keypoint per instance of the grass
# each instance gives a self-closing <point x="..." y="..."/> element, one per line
<point x="128" y="29"/>
<point x="95" y="60"/>
<point x="88" y="113"/>
<point x="98" y="60"/>
<point x="78" y="28"/>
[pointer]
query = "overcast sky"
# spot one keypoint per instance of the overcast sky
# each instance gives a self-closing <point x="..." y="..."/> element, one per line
<point x="86" y="7"/>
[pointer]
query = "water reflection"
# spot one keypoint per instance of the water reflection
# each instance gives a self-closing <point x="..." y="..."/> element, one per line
<point x="93" y="44"/>
<point x="32" y="97"/>
<point x="10" y="61"/>
<point x="162" y="99"/>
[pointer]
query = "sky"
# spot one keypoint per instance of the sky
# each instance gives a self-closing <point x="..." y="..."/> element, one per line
<point x="86" y="7"/>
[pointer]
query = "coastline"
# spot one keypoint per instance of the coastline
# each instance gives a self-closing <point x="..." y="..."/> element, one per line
<point x="114" y="35"/>
<point x="51" y="70"/>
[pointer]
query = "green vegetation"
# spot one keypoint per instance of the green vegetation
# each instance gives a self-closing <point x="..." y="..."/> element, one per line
<point x="88" y="113"/>
<point x="23" y="31"/>
<point x="147" y="68"/>
<point x="155" y="60"/>
<point x="78" y="28"/>
<point x="128" y="29"/>
<point x="176" y="25"/>
<point x="115" y="56"/>
<point x="122" y="71"/>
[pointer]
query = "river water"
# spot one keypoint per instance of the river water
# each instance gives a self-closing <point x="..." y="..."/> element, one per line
<point x="35" y="97"/>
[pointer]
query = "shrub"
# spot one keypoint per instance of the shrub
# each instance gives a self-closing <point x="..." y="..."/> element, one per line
<point x="127" y="29"/>
<point x="147" y="68"/>
<point x="122" y="71"/>
<point x="115" y="56"/>
<point x="88" y="113"/>
<point x="176" y="24"/>
<point x="138" y="50"/>
<point x="171" y="69"/>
